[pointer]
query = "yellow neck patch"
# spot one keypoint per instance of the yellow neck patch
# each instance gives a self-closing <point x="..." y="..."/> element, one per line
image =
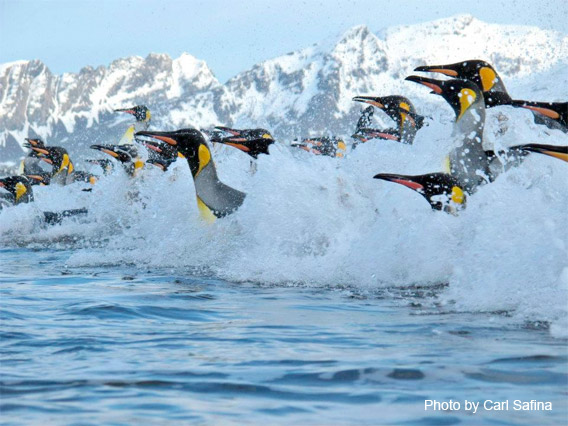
<point x="467" y="98"/>
<point x="488" y="78"/>
<point x="405" y="106"/>
<point x="458" y="196"/>
<point x="64" y="163"/>
<point x="267" y="136"/>
<point x="20" y="190"/>
<point x="148" y="116"/>
<point x="204" y="211"/>
<point x="204" y="157"/>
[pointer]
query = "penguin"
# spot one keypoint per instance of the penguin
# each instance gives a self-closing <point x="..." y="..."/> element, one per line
<point x="142" y="115"/>
<point x="401" y="111"/>
<point x="443" y="191"/>
<point x="214" y="198"/>
<point x="251" y="141"/>
<point x="32" y="163"/>
<point x="468" y="161"/>
<point x="128" y="155"/>
<point x="328" y="146"/>
<point x="554" y="115"/>
<point x="162" y="155"/>
<point x="62" y="166"/>
<point x="19" y="190"/>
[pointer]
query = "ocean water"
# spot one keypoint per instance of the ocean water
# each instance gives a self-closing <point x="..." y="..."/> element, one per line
<point x="329" y="297"/>
<point x="127" y="345"/>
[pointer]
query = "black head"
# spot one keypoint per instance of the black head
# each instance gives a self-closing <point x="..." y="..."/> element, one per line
<point x="251" y="141"/>
<point x="31" y="143"/>
<point x="140" y="112"/>
<point x="57" y="156"/>
<point x="19" y="188"/>
<point x="479" y="72"/>
<point x="123" y="153"/>
<point x="462" y="95"/>
<point x="442" y="190"/>
<point x="189" y="142"/>
<point x="396" y="107"/>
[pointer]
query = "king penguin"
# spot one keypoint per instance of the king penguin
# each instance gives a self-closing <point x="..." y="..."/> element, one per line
<point x="214" y="198"/>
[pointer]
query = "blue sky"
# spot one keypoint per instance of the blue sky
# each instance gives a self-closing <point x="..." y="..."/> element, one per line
<point x="230" y="35"/>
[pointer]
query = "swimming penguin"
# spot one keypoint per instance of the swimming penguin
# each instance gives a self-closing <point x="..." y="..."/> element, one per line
<point x="399" y="109"/>
<point x="128" y="155"/>
<point x="62" y="167"/>
<point x="214" y="198"/>
<point x="468" y="161"/>
<point x="443" y="191"/>
<point x="251" y="141"/>
<point x="328" y="146"/>
<point x="162" y="155"/>
<point x="19" y="190"/>
<point x="32" y="162"/>
<point x="142" y="115"/>
<point x="551" y="114"/>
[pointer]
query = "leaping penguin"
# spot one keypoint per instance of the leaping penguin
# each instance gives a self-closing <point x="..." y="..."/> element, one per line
<point x="441" y="190"/>
<point x="551" y="114"/>
<point x="214" y="198"/>
<point x="128" y="155"/>
<point x="401" y="111"/>
<point x="251" y="141"/>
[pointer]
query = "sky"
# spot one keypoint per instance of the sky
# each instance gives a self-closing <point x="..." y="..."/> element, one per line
<point x="230" y="35"/>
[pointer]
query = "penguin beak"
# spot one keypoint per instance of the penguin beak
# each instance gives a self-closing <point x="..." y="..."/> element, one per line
<point x="369" y="100"/>
<point x="435" y="85"/>
<point x="40" y="150"/>
<point x="234" y="132"/>
<point x="400" y="179"/>
<point x="154" y="148"/>
<point x="560" y="152"/>
<point x="236" y="145"/>
<point x="47" y="160"/>
<point x="442" y="69"/>
<point x="159" y="165"/>
<point x="105" y="149"/>
<point x="162" y="136"/>
<point x="373" y="134"/>
<point x="127" y="110"/>
<point x="34" y="177"/>
<point x="550" y="113"/>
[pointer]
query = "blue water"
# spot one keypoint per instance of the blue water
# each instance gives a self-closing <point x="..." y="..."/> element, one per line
<point x="124" y="345"/>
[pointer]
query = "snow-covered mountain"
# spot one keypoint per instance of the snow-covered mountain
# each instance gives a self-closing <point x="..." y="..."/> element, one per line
<point x="306" y="92"/>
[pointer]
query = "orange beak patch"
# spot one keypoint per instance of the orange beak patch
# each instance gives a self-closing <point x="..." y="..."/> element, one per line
<point x="451" y="73"/>
<point x="165" y="139"/>
<point x="432" y="86"/>
<point x="239" y="146"/>
<point x="544" y="111"/>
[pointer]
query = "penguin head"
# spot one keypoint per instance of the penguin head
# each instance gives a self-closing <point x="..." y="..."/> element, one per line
<point x="19" y="187"/>
<point x="479" y="72"/>
<point x="367" y="134"/>
<point x="190" y="143"/>
<point x="37" y="143"/>
<point x="328" y="146"/>
<point x="441" y="190"/>
<point x="140" y="112"/>
<point x="251" y="141"/>
<point x="161" y="150"/>
<point x="398" y="108"/>
<point x="462" y="95"/>
<point x="56" y="156"/>
<point x="123" y="153"/>
<point x="41" y="179"/>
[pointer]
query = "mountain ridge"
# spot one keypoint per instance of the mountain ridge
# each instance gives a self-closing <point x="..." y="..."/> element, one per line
<point x="304" y="92"/>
